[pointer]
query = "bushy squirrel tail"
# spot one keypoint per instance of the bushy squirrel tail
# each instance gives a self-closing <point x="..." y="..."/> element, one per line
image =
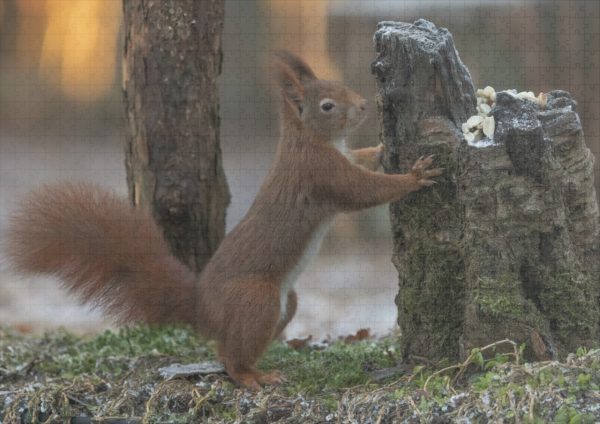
<point x="103" y="250"/>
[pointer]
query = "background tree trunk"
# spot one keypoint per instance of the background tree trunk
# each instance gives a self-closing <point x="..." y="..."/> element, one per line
<point x="172" y="58"/>
<point x="506" y="244"/>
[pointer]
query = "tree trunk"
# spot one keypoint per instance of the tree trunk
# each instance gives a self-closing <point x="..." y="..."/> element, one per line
<point x="172" y="59"/>
<point x="506" y="244"/>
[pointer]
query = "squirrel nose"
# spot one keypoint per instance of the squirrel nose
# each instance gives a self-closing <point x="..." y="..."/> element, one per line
<point x="363" y="104"/>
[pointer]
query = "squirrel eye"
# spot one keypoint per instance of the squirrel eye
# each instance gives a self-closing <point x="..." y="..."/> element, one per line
<point x="327" y="106"/>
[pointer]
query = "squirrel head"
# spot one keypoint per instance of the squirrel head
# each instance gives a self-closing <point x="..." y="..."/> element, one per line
<point x="316" y="108"/>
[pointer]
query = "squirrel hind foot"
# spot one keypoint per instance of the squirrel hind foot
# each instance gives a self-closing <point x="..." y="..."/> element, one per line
<point x="273" y="378"/>
<point x="255" y="379"/>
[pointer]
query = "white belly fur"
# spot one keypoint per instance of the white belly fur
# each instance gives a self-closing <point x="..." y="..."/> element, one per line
<point x="340" y="145"/>
<point x="311" y="251"/>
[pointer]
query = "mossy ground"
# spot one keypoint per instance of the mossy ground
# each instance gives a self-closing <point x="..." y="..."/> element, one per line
<point x="113" y="375"/>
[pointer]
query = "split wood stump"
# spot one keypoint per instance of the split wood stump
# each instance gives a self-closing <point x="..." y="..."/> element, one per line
<point x="506" y="244"/>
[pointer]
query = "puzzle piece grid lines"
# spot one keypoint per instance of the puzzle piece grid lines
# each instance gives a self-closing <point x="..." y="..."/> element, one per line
<point x="526" y="45"/>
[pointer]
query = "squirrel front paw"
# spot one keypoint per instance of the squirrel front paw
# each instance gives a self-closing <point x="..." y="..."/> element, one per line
<point x="380" y="150"/>
<point x="369" y="157"/>
<point x="421" y="173"/>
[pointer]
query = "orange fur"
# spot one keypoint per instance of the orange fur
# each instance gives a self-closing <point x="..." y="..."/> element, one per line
<point x="369" y="157"/>
<point x="115" y="258"/>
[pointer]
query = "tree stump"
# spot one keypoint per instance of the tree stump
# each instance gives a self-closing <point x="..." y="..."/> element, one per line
<point x="172" y="60"/>
<point x="506" y="245"/>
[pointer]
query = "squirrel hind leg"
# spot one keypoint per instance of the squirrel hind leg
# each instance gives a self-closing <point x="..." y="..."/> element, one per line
<point x="239" y="362"/>
<point x="290" y="311"/>
<point x="244" y="339"/>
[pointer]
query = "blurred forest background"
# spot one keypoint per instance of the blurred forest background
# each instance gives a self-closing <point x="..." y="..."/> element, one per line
<point x="61" y="117"/>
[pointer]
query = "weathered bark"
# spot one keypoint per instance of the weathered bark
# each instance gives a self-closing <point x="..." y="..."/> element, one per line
<point x="531" y="230"/>
<point x="425" y="92"/>
<point x="506" y="244"/>
<point x="172" y="58"/>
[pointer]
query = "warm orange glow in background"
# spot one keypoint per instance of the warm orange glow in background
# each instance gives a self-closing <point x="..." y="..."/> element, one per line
<point x="72" y="43"/>
<point x="303" y="25"/>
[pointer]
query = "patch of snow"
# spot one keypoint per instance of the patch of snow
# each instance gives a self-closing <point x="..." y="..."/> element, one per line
<point x="454" y="398"/>
<point x="485" y="142"/>
<point x="486" y="399"/>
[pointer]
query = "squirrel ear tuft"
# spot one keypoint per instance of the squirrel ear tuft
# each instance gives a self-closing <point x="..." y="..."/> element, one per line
<point x="289" y="86"/>
<point x="297" y="65"/>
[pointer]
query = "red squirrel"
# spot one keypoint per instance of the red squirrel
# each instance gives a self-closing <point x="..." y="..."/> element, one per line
<point x="114" y="257"/>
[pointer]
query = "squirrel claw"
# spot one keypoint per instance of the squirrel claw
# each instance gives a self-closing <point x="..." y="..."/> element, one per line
<point x="421" y="173"/>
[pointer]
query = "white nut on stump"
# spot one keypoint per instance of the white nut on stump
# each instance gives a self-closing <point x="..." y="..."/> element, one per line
<point x="489" y="125"/>
<point x="487" y="91"/>
<point x="542" y="100"/>
<point x="485" y="108"/>
<point x="474" y="120"/>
